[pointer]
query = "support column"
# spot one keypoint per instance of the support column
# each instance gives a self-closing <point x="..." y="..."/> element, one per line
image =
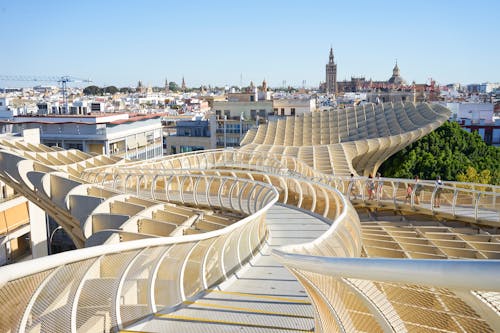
<point x="39" y="246"/>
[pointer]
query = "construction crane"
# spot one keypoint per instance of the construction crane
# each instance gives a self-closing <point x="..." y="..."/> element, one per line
<point x="63" y="80"/>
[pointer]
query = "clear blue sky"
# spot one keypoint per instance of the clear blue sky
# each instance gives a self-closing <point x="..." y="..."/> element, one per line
<point x="212" y="42"/>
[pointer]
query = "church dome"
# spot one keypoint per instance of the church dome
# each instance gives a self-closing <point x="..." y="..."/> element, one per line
<point x="395" y="70"/>
<point x="396" y="77"/>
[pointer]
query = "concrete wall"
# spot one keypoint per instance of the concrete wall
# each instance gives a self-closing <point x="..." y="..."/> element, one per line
<point x="32" y="136"/>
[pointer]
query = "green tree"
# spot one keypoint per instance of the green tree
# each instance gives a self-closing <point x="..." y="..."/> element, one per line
<point x="448" y="152"/>
<point x="472" y="176"/>
<point x="126" y="90"/>
<point x="111" y="90"/>
<point x="173" y="86"/>
<point x="92" y="90"/>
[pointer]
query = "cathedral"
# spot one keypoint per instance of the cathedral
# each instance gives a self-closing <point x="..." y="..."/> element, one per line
<point x="359" y="84"/>
<point x="395" y="89"/>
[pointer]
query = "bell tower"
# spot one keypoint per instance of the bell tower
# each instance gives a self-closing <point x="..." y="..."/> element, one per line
<point x="331" y="74"/>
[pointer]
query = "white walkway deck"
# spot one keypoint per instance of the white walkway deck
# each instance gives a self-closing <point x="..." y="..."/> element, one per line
<point x="262" y="297"/>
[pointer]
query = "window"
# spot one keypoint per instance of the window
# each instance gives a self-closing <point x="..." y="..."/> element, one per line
<point x="292" y="111"/>
<point x="253" y="114"/>
<point x="187" y="149"/>
<point x="282" y="112"/>
<point x="78" y="146"/>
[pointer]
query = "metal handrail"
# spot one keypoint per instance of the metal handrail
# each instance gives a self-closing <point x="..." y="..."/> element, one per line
<point x="467" y="274"/>
<point x="361" y="184"/>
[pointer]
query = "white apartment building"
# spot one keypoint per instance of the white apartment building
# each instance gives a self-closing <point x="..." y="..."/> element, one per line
<point x="127" y="135"/>
<point x="245" y="110"/>
<point x="488" y="87"/>
<point x="293" y="106"/>
<point x="476" y="112"/>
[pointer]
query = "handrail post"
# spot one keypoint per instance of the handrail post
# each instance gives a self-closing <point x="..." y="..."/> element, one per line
<point x="380" y="185"/>
<point x="195" y="189"/>
<point x="432" y="198"/>
<point x="454" y="202"/>
<point x="181" y="188"/>
<point x="364" y="189"/>
<point x="153" y="187"/>
<point x="412" y="195"/>
<point x="395" y="187"/>
<point x="349" y="189"/>
<point x="476" y="205"/>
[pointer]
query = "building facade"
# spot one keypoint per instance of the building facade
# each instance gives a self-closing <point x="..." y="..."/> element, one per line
<point x="479" y="118"/>
<point x="293" y="106"/>
<point x="331" y="75"/>
<point x="110" y="134"/>
<point x="192" y="135"/>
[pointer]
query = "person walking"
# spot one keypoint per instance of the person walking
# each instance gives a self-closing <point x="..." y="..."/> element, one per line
<point x="409" y="190"/>
<point x="417" y="189"/>
<point x="439" y="189"/>
<point x="370" y="184"/>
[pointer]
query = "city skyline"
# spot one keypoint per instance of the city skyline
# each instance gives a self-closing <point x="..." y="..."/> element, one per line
<point x="120" y="43"/>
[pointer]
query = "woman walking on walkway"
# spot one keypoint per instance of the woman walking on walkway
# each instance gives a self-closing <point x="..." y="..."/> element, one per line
<point x="371" y="187"/>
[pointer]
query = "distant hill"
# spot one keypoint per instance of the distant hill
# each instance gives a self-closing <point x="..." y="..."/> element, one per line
<point x="450" y="152"/>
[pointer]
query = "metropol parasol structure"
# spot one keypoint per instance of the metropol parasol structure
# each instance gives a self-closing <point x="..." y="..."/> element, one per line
<point x="272" y="237"/>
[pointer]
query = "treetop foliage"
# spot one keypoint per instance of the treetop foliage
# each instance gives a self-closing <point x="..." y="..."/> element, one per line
<point x="95" y="90"/>
<point x="449" y="151"/>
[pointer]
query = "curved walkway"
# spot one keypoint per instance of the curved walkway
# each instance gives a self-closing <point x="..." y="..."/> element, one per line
<point x="263" y="297"/>
<point x="169" y="281"/>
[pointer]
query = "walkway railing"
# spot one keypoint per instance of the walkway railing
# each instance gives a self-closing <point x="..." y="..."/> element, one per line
<point x="391" y="295"/>
<point x="104" y="288"/>
<point x="398" y="295"/>
<point x="80" y="208"/>
<point x="108" y="287"/>
<point x="208" y="159"/>
<point x="469" y="202"/>
<point x="465" y="201"/>
<point x="176" y="186"/>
